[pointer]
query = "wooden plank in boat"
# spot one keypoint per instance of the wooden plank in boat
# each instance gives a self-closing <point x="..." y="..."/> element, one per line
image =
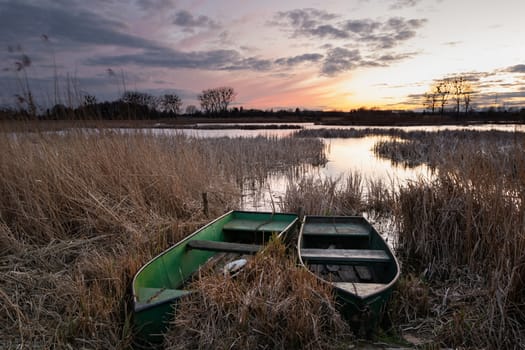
<point x="256" y="225"/>
<point x="361" y="289"/>
<point x="347" y="273"/>
<point x="364" y="273"/>
<point x="228" y="247"/>
<point x="344" y="255"/>
<point x="336" y="229"/>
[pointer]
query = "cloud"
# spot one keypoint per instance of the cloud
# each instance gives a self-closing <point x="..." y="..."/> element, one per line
<point x="453" y="43"/>
<point x="208" y="60"/>
<point x="311" y="23"/>
<point x="391" y="33"/>
<point x="154" y="5"/>
<point x="519" y="68"/>
<point x="22" y="22"/>
<point x="340" y="60"/>
<point x="400" y="4"/>
<point x="305" y="18"/>
<point x="295" y="60"/>
<point x="361" y="26"/>
<point x="187" y="20"/>
<point x="250" y="63"/>
<point x="167" y="58"/>
<point x="327" y="30"/>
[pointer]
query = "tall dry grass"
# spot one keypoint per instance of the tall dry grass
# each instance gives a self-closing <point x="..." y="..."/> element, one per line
<point x="255" y="158"/>
<point x="350" y="194"/>
<point x="82" y="211"/>
<point x="461" y="233"/>
<point x="271" y="304"/>
<point x="465" y="230"/>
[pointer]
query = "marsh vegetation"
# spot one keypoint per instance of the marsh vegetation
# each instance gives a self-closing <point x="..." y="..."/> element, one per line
<point x="82" y="211"/>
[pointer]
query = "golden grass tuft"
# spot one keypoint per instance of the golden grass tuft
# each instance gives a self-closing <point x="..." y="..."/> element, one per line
<point x="464" y="232"/>
<point x="272" y="303"/>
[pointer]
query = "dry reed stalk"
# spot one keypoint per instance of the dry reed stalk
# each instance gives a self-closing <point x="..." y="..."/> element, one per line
<point x="255" y="158"/>
<point x="82" y="211"/>
<point x="272" y="303"/>
<point x="465" y="230"/>
<point x="351" y="195"/>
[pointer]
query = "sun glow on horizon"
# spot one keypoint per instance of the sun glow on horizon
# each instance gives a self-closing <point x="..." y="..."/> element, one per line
<point x="296" y="54"/>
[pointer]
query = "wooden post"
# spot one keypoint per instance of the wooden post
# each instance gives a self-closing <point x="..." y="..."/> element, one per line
<point x="205" y="204"/>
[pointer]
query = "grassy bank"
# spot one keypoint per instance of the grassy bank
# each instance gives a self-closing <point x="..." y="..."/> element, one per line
<point x="81" y="212"/>
<point x="463" y="232"/>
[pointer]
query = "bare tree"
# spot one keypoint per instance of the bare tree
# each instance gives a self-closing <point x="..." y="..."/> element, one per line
<point x="443" y="92"/>
<point x="191" y="109"/>
<point x="89" y="100"/>
<point x="431" y="99"/>
<point x="170" y="103"/>
<point x="140" y="99"/>
<point x="459" y="86"/>
<point x="216" y="100"/>
<point x="466" y="100"/>
<point x="227" y="95"/>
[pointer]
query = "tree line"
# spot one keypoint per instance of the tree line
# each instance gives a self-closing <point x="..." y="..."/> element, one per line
<point x="132" y="105"/>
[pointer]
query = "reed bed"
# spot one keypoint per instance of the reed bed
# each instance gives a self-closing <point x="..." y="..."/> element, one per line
<point x="82" y="211"/>
<point x="329" y="133"/>
<point x="434" y="148"/>
<point x="464" y="232"/>
<point x="461" y="235"/>
<point x="246" y="126"/>
<point x="350" y="194"/>
<point x="255" y="158"/>
<point x="271" y="304"/>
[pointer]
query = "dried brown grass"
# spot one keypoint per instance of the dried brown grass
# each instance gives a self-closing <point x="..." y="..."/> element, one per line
<point x="464" y="231"/>
<point x="348" y="195"/>
<point x="82" y="211"/>
<point x="255" y="158"/>
<point x="271" y="304"/>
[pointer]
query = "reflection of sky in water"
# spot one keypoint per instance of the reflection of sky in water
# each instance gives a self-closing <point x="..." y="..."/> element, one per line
<point x="356" y="155"/>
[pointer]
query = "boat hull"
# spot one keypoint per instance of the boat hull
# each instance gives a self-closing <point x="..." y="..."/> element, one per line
<point x="159" y="285"/>
<point x="349" y="254"/>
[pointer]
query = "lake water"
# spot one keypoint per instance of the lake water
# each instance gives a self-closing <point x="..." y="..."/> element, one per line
<point x="345" y="155"/>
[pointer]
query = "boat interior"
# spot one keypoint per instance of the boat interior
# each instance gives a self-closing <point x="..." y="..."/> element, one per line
<point x="348" y="253"/>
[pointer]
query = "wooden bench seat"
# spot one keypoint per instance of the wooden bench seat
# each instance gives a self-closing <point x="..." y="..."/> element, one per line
<point x="344" y="255"/>
<point x="227" y="247"/>
<point x="256" y="225"/>
<point x="338" y="229"/>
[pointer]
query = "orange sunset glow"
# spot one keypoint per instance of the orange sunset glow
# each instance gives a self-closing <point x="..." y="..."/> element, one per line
<point x="336" y="55"/>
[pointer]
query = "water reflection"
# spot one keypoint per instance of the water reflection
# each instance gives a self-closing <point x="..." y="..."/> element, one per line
<point x="356" y="155"/>
<point x="345" y="155"/>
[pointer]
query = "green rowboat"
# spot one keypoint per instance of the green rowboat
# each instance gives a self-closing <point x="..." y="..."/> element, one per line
<point x="348" y="253"/>
<point x="159" y="284"/>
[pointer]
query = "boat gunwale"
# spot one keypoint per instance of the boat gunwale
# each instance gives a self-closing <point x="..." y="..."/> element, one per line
<point x="138" y="307"/>
<point x="369" y="298"/>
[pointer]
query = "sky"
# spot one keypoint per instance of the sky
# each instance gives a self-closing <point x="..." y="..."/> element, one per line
<point x="317" y="55"/>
